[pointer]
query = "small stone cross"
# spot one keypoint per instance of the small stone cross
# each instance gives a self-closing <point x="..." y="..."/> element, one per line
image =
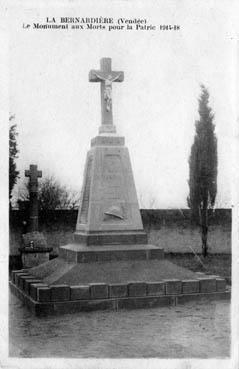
<point x="106" y="76"/>
<point x="34" y="174"/>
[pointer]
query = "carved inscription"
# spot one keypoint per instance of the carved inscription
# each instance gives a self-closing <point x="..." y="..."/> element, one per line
<point x="111" y="141"/>
<point x="114" y="189"/>
<point x="86" y="192"/>
<point x="112" y="176"/>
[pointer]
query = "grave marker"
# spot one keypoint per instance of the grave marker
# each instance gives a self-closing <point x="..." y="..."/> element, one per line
<point x="33" y="174"/>
<point x="34" y="250"/>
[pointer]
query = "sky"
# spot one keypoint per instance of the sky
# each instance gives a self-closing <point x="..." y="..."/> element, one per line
<point x="57" y="110"/>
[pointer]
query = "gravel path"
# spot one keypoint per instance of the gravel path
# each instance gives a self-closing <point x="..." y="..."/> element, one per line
<point x="194" y="330"/>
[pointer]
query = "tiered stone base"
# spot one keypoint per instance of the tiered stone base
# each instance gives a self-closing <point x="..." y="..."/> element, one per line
<point x="73" y="305"/>
<point x="110" y="238"/>
<point x="82" y="280"/>
<point x="88" y="254"/>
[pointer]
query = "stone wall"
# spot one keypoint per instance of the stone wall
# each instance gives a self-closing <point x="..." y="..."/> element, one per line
<point x="171" y="229"/>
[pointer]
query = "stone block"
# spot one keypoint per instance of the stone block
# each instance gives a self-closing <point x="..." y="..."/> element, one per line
<point x="137" y="289"/>
<point x="173" y="286"/>
<point x="60" y="292"/>
<point x="28" y="282"/>
<point x="14" y="273"/>
<point x="207" y="284"/>
<point x="118" y="290"/>
<point x="43" y="294"/>
<point x="190" y="286"/>
<point x="220" y="284"/>
<point x="155" y="288"/>
<point x="22" y="280"/>
<point x="200" y="274"/>
<point x="18" y="276"/>
<point x="62" y="252"/>
<point x="33" y="289"/>
<point x="32" y="259"/>
<point x="99" y="291"/>
<point x="111" y="238"/>
<point x="80" y="292"/>
<point x="71" y="256"/>
<point x="110" y="255"/>
<point x="157" y="253"/>
<point x="107" y="141"/>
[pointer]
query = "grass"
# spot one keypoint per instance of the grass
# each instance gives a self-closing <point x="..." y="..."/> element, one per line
<point x="219" y="264"/>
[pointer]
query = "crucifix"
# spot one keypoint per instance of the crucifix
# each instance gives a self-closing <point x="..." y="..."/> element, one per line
<point x="106" y="77"/>
<point x="33" y="174"/>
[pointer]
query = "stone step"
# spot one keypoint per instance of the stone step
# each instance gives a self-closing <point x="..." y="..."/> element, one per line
<point x="89" y="254"/>
<point x="111" y="238"/>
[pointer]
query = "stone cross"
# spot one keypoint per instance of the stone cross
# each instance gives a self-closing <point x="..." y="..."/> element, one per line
<point x="33" y="174"/>
<point x="106" y="77"/>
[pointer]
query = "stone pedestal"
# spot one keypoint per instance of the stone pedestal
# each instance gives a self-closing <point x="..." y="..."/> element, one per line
<point x="33" y="258"/>
<point x="109" y="212"/>
<point x="74" y="253"/>
<point x="34" y="250"/>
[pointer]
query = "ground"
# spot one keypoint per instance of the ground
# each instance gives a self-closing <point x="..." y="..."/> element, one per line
<point x="193" y="330"/>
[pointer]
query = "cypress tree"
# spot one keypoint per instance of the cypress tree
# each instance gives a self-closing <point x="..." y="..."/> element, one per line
<point x="13" y="151"/>
<point x="203" y="167"/>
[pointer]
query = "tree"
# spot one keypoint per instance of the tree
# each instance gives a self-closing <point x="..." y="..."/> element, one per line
<point x="13" y="151"/>
<point x="203" y="167"/>
<point x="52" y="195"/>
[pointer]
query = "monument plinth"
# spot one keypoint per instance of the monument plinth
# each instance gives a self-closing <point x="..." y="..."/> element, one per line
<point x="109" y="211"/>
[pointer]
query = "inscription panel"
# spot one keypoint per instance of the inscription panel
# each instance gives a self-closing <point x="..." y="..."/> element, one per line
<point x="114" y="191"/>
<point x="107" y="141"/>
<point x="113" y="177"/>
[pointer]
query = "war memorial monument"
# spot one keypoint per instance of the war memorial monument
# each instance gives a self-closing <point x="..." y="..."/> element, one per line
<point x="109" y="265"/>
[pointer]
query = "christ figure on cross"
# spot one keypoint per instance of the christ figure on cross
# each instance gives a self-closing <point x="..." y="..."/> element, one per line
<point x="108" y="88"/>
<point x="106" y="76"/>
